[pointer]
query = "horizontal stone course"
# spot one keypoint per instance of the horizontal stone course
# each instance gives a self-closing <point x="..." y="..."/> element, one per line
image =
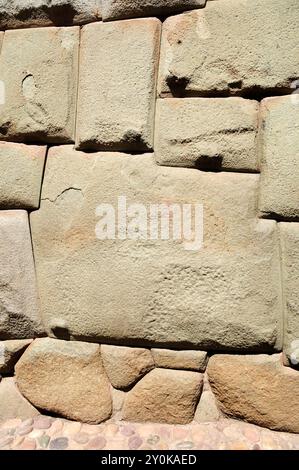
<point x="21" y="169"/>
<point x="207" y="133"/>
<point x="39" y="70"/>
<point x="231" y="47"/>
<point x="37" y="13"/>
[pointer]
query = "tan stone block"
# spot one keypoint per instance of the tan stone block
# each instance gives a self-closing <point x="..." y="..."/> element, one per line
<point x="119" y="9"/>
<point x="279" y="191"/>
<point x="189" y="360"/>
<point x="289" y="235"/>
<point x="19" y="308"/>
<point x="164" y="396"/>
<point x="21" y="169"/>
<point x="125" y="366"/>
<point x="12" y="403"/>
<point x="226" y="295"/>
<point x="258" y="389"/>
<point x="116" y="102"/>
<point x="39" y="69"/>
<point x="207" y="133"/>
<point x="66" y="378"/>
<point x="30" y="13"/>
<point x="231" y="48"/>
<point x="10" y="353"/>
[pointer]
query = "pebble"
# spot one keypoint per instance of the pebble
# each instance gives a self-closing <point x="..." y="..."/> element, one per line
<point x="60" y="443"/>
<point x="42" y="422"/>
<point x="27" y="444"/>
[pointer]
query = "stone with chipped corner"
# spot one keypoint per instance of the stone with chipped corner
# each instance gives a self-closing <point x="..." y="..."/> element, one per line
<point x="289" y="236"/>
<point x="258" y="389"/>
<point x="65" y="378"/>
<point x="246" y="48"/>
<point x="119" y="9"/>
<point x="21" y="169"/>
<point x="19" y="307"/>
<point x="207" y="133"/>
<point x="279" y="193"/>
<point x="124" y="365"/>
<point x="12" y="403"/>
<point x="10" y="353"/>
<point x="155" y="292"/>
<point x="122" y="116"/>
<point x="164" y="396"/>
<point x="39" y="70"/>
<point x="36" y="13"/>
<point x="189" y="360"/>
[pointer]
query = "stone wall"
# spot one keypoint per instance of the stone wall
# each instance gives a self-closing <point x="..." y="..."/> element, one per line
<point x="169" y="102"/>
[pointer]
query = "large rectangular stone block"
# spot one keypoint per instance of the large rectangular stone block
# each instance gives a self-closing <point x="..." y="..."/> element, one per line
<point x="19" y="309"/>
<point x="33" y="13"/>
<point x="117" y="85"/>
<point x="149" y="291"/>
<point x="231" y="47"/>
<point x="119" y="9"/>
<point x="279" y="193"/>
<point x="39" y="70"/>
<point x="207" y="133"/>
<point x="289" y="234"/>
<point x="21" y="169"/>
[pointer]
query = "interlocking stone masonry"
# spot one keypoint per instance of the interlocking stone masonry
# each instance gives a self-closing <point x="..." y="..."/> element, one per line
<point x="21" y="169"/>
<point x="39" y="69"/>
<point x="29" y="13"/>
<point x="119" y="9"/>
<point x="279" y="194"/>
<point x="289" y="234"/>
<point x="226" y="295"/>
<point x="231" y="47"/>
<point x="118" y="67"/>
<point x="19" y="309"/>
<point x="207" y="133"/>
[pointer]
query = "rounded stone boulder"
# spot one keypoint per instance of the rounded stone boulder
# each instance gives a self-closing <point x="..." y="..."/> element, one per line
<point x="66" y="378"/>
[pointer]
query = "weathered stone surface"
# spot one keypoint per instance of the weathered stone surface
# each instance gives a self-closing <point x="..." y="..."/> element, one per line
<point x="258" y="389"/>
<point x="155" y="292"/>
<point x="19" y="310"/>
<point x="190" y="360"/>
<point x="66" y="378"/>
<point x="10" y="353"/>
<point x="125" y="366"/>
<point x="39" y="69"/>
<point x="32" y="13"/>
<point x="289" y="235"/>
<point x="231" y="47"/>
<point x="121" y="117"/>
<point x="207" y="133"/>
<point x="118" y="9"/>
<point x="164" y="396"/>
<point x="207" y="410"/>
<point x="21" y="169"/>
<point x="279" y="195"/>
<point x="12" y="403"/>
